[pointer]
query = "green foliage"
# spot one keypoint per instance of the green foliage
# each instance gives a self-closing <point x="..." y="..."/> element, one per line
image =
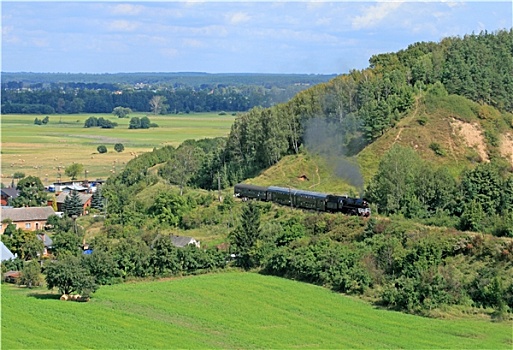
<point x="74" y="170"/>
<point x="139" y="123"/>
<point x="73" y="205"/>
<point x="31" y="193"/>
<point x="121" y="112"/>
<point x="164" y="258"/>
<point x="69" y="276"/>
<point x="394" y="184"/>
<point x="31" y="275"/>
<point x="437" y="148"/>
<point x="118" y="147"/>
<point x="182" y="165"/>
<point x="24" y="244"/>
<point x="483" y="185"/>
<point x="168" y="208"/>
<point x="100" y="122"/>
<point x="102" y="266"/>
<point x="66" y="243"/>
<point x="245" y="237"/>
<point x="97" y="201"/>
<point x="101" y="149"/>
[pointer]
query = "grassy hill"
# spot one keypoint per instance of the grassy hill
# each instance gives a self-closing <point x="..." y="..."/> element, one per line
<point x="449" y="131"/>
<point x="229" y="310"/>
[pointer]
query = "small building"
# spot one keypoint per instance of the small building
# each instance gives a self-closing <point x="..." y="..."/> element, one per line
<point x="183" y="241"/>
<point x="48" y="243"/>
<point x="5" y="253"/>
<point x="27" y="218"/>
<point x="8" y="194"/>
<point x="12" y="276"/>
<point x="77" y="185"/>
<point x="85" y="199"/>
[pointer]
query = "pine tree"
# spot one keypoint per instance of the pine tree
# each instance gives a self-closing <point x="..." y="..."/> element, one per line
<point x="97" y="200"/>
<point x="244" y="238"/>
<point x="73" y="204"/>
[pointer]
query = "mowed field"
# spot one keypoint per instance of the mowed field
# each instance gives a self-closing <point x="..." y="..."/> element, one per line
<point x="228" y="310"/>
<point x="41" y="150"/>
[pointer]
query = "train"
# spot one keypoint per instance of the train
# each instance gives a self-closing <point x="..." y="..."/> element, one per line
<point x="303" y="199"/>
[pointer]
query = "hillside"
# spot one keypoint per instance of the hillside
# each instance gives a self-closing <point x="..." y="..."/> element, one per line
<point x="456" y="125"/>
<point x="228" y="311"/>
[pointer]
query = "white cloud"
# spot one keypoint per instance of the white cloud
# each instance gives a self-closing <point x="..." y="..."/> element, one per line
<point x="127" y="9"/>
<point x="169" y="52"/>
<point x="237" y="17"/>
<point x="373" y="15"/>
<point x="323" y="21"/>
<point x="8" y="35"/>
<point x="193" y="43"/>
<point x="123" y="26"/>
<point x="38" y="42"/>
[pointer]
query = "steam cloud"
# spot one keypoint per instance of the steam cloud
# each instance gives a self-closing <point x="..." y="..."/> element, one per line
<point x="327" y="140"/>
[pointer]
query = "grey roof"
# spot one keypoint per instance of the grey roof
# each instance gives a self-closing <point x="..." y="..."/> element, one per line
<point x="47" y="241"/>
<point x="84" y="197"/>
<point x="5" y="253"/>
<point x="27" y="213"/>
<point x="182" y="241"/>
<point x="10" y="192"/>
<point x="75" y="187"/>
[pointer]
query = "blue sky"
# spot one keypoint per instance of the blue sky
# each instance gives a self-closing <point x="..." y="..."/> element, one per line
<point x="228" y="37"/>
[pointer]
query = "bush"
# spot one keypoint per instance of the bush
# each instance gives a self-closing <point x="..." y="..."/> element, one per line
<point x="119" y="147"/>
<point x="437" y="148"/>
<point x="422" y="120"/>
<point x="101" y="149"/>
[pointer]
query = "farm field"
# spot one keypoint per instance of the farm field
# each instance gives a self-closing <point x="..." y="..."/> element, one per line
<point x="227" y="310"/>
<point x="41" y="150"/>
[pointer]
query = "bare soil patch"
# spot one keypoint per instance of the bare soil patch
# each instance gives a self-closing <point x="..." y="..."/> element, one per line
<point x="472" y="136"/>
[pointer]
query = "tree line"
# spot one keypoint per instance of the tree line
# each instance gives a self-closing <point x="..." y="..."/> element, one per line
<point x="68" y="100"/>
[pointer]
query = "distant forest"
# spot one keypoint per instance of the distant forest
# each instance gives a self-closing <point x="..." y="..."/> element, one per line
<point x="50" y="93"/>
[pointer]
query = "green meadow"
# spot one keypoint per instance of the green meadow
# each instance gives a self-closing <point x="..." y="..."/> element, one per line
<point x="228" y="310"/>
<point x="45" y="150"/>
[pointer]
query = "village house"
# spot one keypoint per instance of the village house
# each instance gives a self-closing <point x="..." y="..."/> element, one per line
<point x="183" y="241"/>
<point x="85" y="199"/>
<point x="47" y="242"/>
<point x="28" y="218"/>
<point x="8" y="194"/>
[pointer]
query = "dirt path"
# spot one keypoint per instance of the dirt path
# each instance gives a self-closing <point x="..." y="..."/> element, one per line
<point x="407" y="120"/>
<point x="318" y="177"/>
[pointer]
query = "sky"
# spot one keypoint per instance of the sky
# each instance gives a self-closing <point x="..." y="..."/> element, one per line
<point x="307" y="37"/>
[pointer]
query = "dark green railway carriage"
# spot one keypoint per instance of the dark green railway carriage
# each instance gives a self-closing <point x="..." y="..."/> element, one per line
<point x="297" y="198"/>
<point x="245" y="192"/>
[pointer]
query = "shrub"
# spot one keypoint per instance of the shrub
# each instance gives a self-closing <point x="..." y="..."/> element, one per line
<point x="437" y="148"/>
<point x="101" y="149"/>
<point x="119" y="147"/>
<point x="422" y="120"/>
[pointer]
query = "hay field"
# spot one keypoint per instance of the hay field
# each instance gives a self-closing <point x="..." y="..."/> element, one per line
<point x="45" y="150"/>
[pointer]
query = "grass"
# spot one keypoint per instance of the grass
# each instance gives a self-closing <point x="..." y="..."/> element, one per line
<point x="307" y="172"/>
<point x="228" y="310"/>
<point x="41" y="150"/>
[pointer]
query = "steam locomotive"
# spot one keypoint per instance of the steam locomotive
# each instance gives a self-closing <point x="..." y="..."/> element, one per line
<point x="303" y="199"/>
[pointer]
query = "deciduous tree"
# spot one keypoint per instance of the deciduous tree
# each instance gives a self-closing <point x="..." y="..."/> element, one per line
<point x="73" y="170"/>
<point x="121" y="112"/>
<point x="31" y="193"/>
<point x="69" y="276"/>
